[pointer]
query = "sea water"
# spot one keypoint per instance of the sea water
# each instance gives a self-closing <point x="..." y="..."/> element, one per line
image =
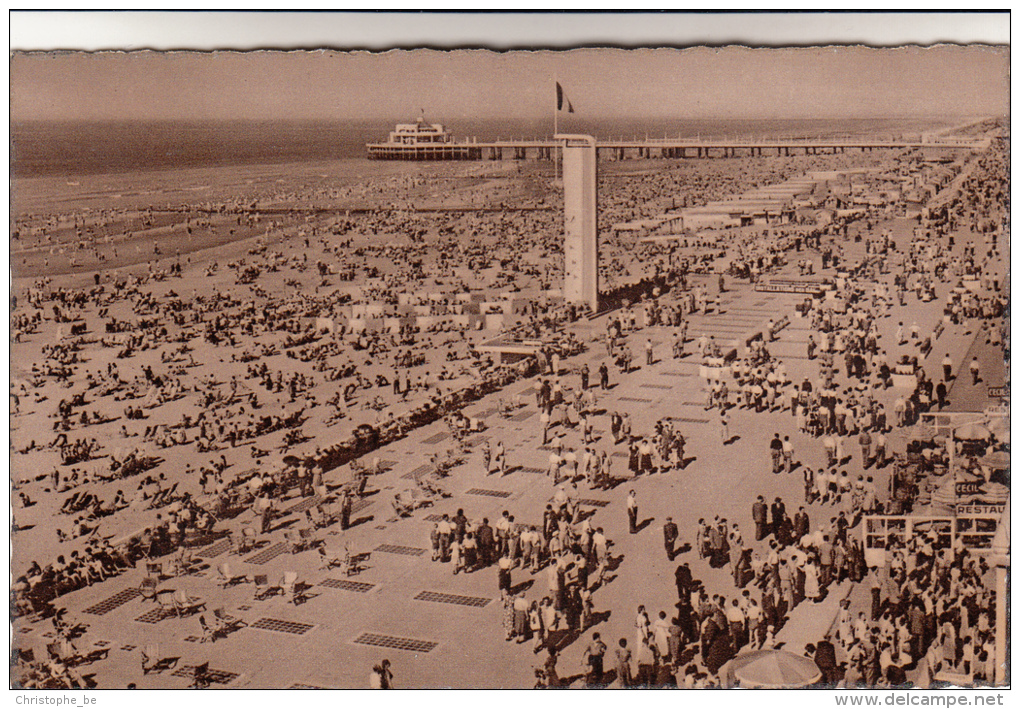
<point x="68" y="148"/>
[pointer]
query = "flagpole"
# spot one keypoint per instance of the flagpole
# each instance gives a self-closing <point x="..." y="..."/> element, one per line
<point x="556" y="104"/>
<point x="556" y="124"/>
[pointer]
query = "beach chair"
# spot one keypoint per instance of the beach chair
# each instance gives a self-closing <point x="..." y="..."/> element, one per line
<point x="294" y="587"/>
<point x="200" y="678"/>
<point x="165" y="599"/>
<point x="249" y="539"/>
<point x="226" y="577"/>
<point x="153" y="661"/>
<point x="208" y="634"/>
<point x="226" y="623"/>
<point x="307" y="535"/>
<point x="55" y="650"/>
<point x="186" y="562"/>
<point x="148" y="588"/>
<point x="354" y="564"/>
<point x="236" y="543"/>
<point x="186" y="605"/>
<point x="316" y="517"/>
<point x="331" y="510"/>
<point x="331" y="557"/>
<point x="263" y="589"/>
<point x="154" y="569"/>
<point x="298" y="542"/>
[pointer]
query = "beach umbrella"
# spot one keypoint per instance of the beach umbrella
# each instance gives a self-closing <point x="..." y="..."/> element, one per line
<point x="775" y="669"/>
<point x="998" y="427"/>
<point x="998" y="460"/>
<point x="972" y="432"/>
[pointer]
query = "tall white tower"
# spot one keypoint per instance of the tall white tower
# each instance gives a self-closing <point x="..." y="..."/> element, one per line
<point x="580" y="201"/>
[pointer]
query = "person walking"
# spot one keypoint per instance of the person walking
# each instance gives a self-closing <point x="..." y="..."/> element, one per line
<point x="975" y="371"/>
<point x="787" y="454"/>
<point x="776" y="449"/>
<point x="760" y="515"/>
<point x="649" y="352"/>
<point x="865" y="442"/>
<point x="724" y="426"/>
<point x="487" y="457"/>
<point x="947" y="367"/>
<point x="623" y="664"/>
<point x="829" y="443"/>
<point x="603" y="376"/>
<point x="499" y="458"/>
<point x="778" y="512"/>
<point x="670" y="533"/>
<point x="632" y="511"/>
<point x="594" y="659"/>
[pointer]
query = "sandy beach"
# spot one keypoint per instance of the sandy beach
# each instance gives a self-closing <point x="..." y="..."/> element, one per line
<point x="187" y="341"/>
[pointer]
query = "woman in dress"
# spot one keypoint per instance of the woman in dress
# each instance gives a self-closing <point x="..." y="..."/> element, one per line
<point x="508" y="618"/>
<point x="505" y="563"/>
<point x="456" y="556"/>
<point x="470" y="552"/>
<point x="812" y="588"/>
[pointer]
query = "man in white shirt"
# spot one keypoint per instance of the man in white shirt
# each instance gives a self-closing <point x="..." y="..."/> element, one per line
<point x="554" y="467"/>
<point x="445" y="534"/>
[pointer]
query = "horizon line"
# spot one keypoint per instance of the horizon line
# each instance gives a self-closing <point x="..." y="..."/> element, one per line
<point x="595" y="117"/>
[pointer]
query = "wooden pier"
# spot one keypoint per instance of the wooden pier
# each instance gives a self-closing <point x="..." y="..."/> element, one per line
<point x="676" y="149"/>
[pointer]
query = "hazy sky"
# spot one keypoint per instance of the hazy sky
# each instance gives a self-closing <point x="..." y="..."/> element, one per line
<point x="450" y="85"/>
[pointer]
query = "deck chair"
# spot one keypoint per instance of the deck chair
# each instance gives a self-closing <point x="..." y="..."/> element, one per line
<point x="249" y="539"/>
<point x="307" y="535"/>
<point x="226" y="623"/>
<point x="208" y="634"/>
<point x="316" y="517"/>
<point x="186" y="562"/>
<point x="292" y="538"/>
<point x="64" y="651"/>
<point x="55" y="651"/>
<point x="354" y="564"/>
<point x="148" y="588"/>
<point x="237" y="543"/>
<point x="331" y="557"/>
<point x="154" y="569"/>
<point x="165" y="599"/>
<point x="153" y="661"/>
<point x="263" y="589"/>
<point x="333" y="511"/>
<point x="186" y="605"/>
<point x="226" y="577"/>
<point x="293" y="587"/>
<point x="200" y="678"/>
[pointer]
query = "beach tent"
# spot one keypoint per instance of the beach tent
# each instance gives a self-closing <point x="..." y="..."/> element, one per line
<point x="774" y="669"/>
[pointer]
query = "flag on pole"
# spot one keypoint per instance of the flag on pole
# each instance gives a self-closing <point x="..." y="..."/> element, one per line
<point x="561" y="98"/>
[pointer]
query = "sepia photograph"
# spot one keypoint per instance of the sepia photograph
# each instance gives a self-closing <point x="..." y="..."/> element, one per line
<point x="639" y="364"/>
